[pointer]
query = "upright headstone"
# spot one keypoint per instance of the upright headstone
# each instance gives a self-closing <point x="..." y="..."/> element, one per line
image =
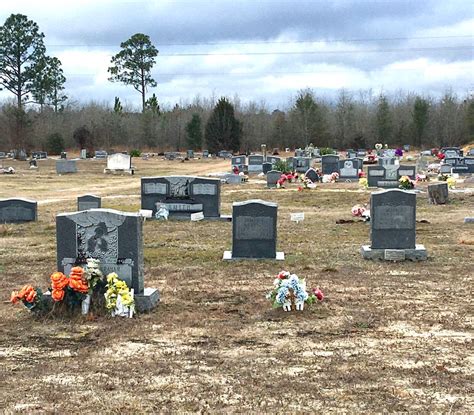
<point x="254" y="231"/>
<point x="349" y="169"/>
<point x="182" y="195"/>
<point x="83" y="154"/>
<point x="101" y="154"/>
<point x="464" y="165"/>
<point x="272" y="178"/>
<point x="330" y="164"/>
<point x="266" y="167"/>
<point x="66" y="166"/>
<point x="312" y="175"/>
<point x="205" y="153"/>
<point x="87" y="202"/>
<point x="273" y="159"/>
<point x="239" y="161"/>
<point x="115" y="238"/>
<point x="190" y="154"/>
<point x="119" y="163"/>
<point x="393" y="227"/>
<point x="438" y="193"/>
<point x="350" y="153"/>
<point x="17" y="210"/>
<point x="301" y="164"/>
<point x="255" y="163"/>
<point x="387" y="161"/>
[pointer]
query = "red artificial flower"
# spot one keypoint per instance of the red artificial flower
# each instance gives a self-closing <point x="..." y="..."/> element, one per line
<point x="300" y="189"/>
<point x="318" y="293"/>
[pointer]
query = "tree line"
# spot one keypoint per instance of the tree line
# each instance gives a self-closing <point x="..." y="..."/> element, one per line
<point x="40" y="116"/>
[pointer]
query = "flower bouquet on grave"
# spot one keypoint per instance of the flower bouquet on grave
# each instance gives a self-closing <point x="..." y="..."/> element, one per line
<point x="363" y="182"/>
<point x="360" y="211"/>
<point x="118" y="297"/>
<point x="70" y="290"/>
<point x="281" y="181"/>
<point x="451" y="182"/>
<point x="406" y="183"/>
<point x="32" y="298"/>
<point x="289" y="291"/>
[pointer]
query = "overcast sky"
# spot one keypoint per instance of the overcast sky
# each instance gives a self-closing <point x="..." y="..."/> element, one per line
<point x="262" y="50"/>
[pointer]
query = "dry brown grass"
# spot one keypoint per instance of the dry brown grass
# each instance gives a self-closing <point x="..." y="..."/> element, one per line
<point x="388" y="337"/>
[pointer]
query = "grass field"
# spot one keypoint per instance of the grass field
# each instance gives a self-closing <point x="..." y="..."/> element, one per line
<point x="388" y="336"/>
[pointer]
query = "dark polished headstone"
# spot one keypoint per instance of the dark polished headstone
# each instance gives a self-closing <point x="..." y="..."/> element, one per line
<point x="329" y="164"/>
<point x="182" y="195"/>
<point x="87" y="202"/>
<point x="272" y="178"/>
<point x="114" y="238"/>
<point x="17" y="210"/>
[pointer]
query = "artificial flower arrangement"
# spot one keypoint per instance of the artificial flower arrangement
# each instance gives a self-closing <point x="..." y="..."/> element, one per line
<point x="285" y="177"/>
<point x="118" y="297"/>
<point x="363" y="182"/>
<point x="421" y="178"/>
<point x="451" y="181"/>
<point x="378" y="146"/>
<point x="32" y="298"/>
<point x="307" y="184"/>
<point x="76" y="289"/>
<point x="331" y="178"/>
<point x="360" y="211"/>
<point x="406" y="183"/>
<point x="289" y="290"/>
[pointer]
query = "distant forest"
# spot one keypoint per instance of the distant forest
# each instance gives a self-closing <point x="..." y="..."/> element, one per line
<point x="41" y="117"/>
<point x="353" y="120"/>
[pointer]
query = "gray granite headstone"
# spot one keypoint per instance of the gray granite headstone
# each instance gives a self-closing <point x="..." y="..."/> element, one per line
<point x="254" y="230"/>
<point x="101" y="154"/>
<point x="393" y="219"/>
<point x="350" y="153"/>
<point x="445" y="169"/>
<point x="464" y="165"/>
<point x="190" y="154"/>
<point x="385" y="161"/>
<point x="266" y="167"/>
<point x="301" y="164"/>
<point x="330" y="164"/>
<point x="349" y="169"/>
<point x="17" y="210"/>
<point x="115" y="238"/>
<point x="239" y="161"/>
<point x="87" y="202"/>
<point x="205" y="153"/>
<point x="66" y="166"/>
<point x="272" y="178"/>
<point x="182" y="195"/>
<point x="255" y="162"/>
<point x="273" y="159"/>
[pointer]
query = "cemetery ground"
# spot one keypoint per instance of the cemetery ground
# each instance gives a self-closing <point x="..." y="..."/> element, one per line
<point x="387" y="337"/>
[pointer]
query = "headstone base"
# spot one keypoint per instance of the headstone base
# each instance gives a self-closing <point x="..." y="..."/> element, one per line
<point x="148" y="300"/>
<point x="417" y="254"/>
<point x="280" y="256"/>
<point x="119" y="171"/>
<point x="221" y="218"/>
<point x="468" y="220"/>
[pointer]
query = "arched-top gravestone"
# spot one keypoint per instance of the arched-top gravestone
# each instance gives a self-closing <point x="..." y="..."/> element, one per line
<point x="17" y="210"/>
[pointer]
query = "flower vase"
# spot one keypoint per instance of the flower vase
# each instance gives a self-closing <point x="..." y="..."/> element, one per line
<point x="85" y="305"/>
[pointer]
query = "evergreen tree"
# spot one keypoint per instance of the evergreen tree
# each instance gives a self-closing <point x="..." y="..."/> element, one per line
<point x="223" y="131"/>
<point x="194" y="132"/>
<point x="420" y="119"/>
<point x="133" y="64"/>
<point x="383" y="119"/>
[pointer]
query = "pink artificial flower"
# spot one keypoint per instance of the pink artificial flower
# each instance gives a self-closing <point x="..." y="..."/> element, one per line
<point x="318" y="293"/>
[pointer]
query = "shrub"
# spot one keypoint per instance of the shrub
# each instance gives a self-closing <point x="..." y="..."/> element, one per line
<point x="55" y="144"/>
<point x="283" y="166"/>
<point x="135" y="153"/>
<point x="327" y="150"/>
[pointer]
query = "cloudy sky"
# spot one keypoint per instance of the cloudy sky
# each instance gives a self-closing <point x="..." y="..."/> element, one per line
<point x="262" y="50"/>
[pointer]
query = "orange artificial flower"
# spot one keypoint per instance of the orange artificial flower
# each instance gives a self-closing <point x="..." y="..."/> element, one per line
<point x="57" y="295"/>
<point x="14" y="297"/>
<point x="31" y="296"/>
<point x="76" y="271"/>
<point x="58" y="281"/>
<point x="77" y="283"/>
